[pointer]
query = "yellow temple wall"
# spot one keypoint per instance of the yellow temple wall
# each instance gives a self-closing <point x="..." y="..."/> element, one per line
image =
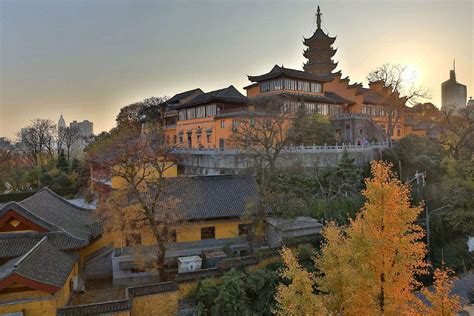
<point x="170" y="172"/>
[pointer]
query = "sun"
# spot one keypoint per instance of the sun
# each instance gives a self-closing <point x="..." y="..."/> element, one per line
<point x="411" y="74"/>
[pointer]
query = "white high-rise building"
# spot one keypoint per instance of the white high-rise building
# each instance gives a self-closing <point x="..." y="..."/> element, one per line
<point x="85" y="131"/>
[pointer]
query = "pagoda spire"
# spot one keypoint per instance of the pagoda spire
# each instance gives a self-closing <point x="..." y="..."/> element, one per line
<point x="319" y="51"/>
<point x="318" y="18"/>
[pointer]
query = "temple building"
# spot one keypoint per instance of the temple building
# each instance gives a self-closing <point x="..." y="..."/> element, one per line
<point x="453" y="93"/>
<point x="195" y="119"/>
<point x="44" y="241"/>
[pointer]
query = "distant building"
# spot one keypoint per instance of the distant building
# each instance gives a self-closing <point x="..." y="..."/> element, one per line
<point x="85" y="127"/>
<point x="61" y="123"/>
<point x="85" y="130"/>
<point x="453" y="93"/>
<point x="470" y="102"/>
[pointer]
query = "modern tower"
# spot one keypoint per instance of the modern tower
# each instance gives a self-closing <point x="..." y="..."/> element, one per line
<point x="453" y="93"/>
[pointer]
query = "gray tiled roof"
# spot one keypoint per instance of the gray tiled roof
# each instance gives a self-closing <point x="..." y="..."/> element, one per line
<point x="298" y="223"/>
<point x="209" y="197"/>
<point x="52" y="208"/>
<point x="229" y="94"/>
<point x="43" y="263"/>
<point x="183" y="95"/>
<point x="278" y="71"/>
<point x="17" y="244"/>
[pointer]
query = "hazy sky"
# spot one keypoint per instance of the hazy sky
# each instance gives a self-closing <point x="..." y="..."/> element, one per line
<point x="88" y="58"/>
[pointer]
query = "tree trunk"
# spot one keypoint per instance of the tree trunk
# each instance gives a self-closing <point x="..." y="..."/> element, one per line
<point x="161" y="261"/>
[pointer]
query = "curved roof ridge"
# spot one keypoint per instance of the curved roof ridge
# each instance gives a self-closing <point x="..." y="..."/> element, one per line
<point x="9" y="205"/>
<point x="57" y="196"/>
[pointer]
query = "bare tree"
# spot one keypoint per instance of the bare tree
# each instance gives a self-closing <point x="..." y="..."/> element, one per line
<point x="399" y="89"/>
<point x="457" y="132"/>
<point x="141" y="161"/>
<point x="37" y="140"/>
<point x="71" y="136"/>
<point x="262" y="135"/>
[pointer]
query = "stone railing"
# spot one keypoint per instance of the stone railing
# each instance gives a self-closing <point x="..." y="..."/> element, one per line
<point x="290" y="149"/>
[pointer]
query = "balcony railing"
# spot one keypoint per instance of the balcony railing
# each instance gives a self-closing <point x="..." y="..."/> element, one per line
<point x="289" y="149"/>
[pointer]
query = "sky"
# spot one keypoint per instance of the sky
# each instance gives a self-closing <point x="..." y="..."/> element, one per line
<point x="86" y="59"/>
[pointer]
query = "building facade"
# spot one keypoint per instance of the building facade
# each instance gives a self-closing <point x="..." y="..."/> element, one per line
<point x="453" y="93"/>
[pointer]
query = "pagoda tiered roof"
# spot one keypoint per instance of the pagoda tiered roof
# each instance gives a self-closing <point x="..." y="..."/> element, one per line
<point x="319" y="37"/>
<point x="319" y="52"/>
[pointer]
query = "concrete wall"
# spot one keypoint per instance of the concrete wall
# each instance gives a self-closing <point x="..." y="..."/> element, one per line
<point x="232" y="161"/>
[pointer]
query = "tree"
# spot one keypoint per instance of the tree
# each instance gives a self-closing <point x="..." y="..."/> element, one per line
<point x="62" y="163"/>
<point x="36" y="140"/>
<point x="396" y="82"/>
<point x="370" y="267"/>
<point x="296" y="298"/>
<point x="414" y="153"/>
<point x="329" y="193"/>
<point x="238" y="293"/>
<point x="442" y="303"/>
<point x="388" y="252"/>
<point x="71" y="136"/>
<point x="133" y="115"/>
<point x="309" y="130"/>
<point x="458" y="132"/>
<point x="262" y="135"/>
<point x="335" y="280"/>
<point x="141" y="162"/>
<point x="232" y="298"/>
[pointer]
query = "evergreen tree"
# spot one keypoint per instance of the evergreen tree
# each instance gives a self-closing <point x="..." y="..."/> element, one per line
<point x="62" y="163"/>
<point x="75" y="165"/>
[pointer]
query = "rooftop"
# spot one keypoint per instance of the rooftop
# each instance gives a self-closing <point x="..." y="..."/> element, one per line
<point x="278" y="71"/>
<point x="51" y="213"/>
<point x="42" y="263"/>
<point x="210" y="196"/>
<point x="229" y="95"/>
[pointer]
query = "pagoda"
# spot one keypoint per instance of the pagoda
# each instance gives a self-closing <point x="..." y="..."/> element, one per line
<point x="319" y="51"/>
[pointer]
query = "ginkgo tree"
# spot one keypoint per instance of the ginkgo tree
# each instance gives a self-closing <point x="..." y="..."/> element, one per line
<point x="370" y="267"/>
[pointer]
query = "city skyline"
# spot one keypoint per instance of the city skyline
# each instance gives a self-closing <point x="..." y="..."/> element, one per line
<point x="129" y="52"/>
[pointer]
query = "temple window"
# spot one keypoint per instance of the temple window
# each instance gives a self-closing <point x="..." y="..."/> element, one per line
<point x="222" y="123"/>
<point x="265" y="86"/>
<point x="182" y="115"/>
<point x="303" y="86"/>
<point x="244" y="229"/>
<point x="291" y="84"/>
<point x="211" y="110"/>
<point x="316" y="87"/>
<point x="235" y="124"/>
<point x="190" y="113"/>
<point x="200" y="112"/>
<point x="208" y="233"/>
